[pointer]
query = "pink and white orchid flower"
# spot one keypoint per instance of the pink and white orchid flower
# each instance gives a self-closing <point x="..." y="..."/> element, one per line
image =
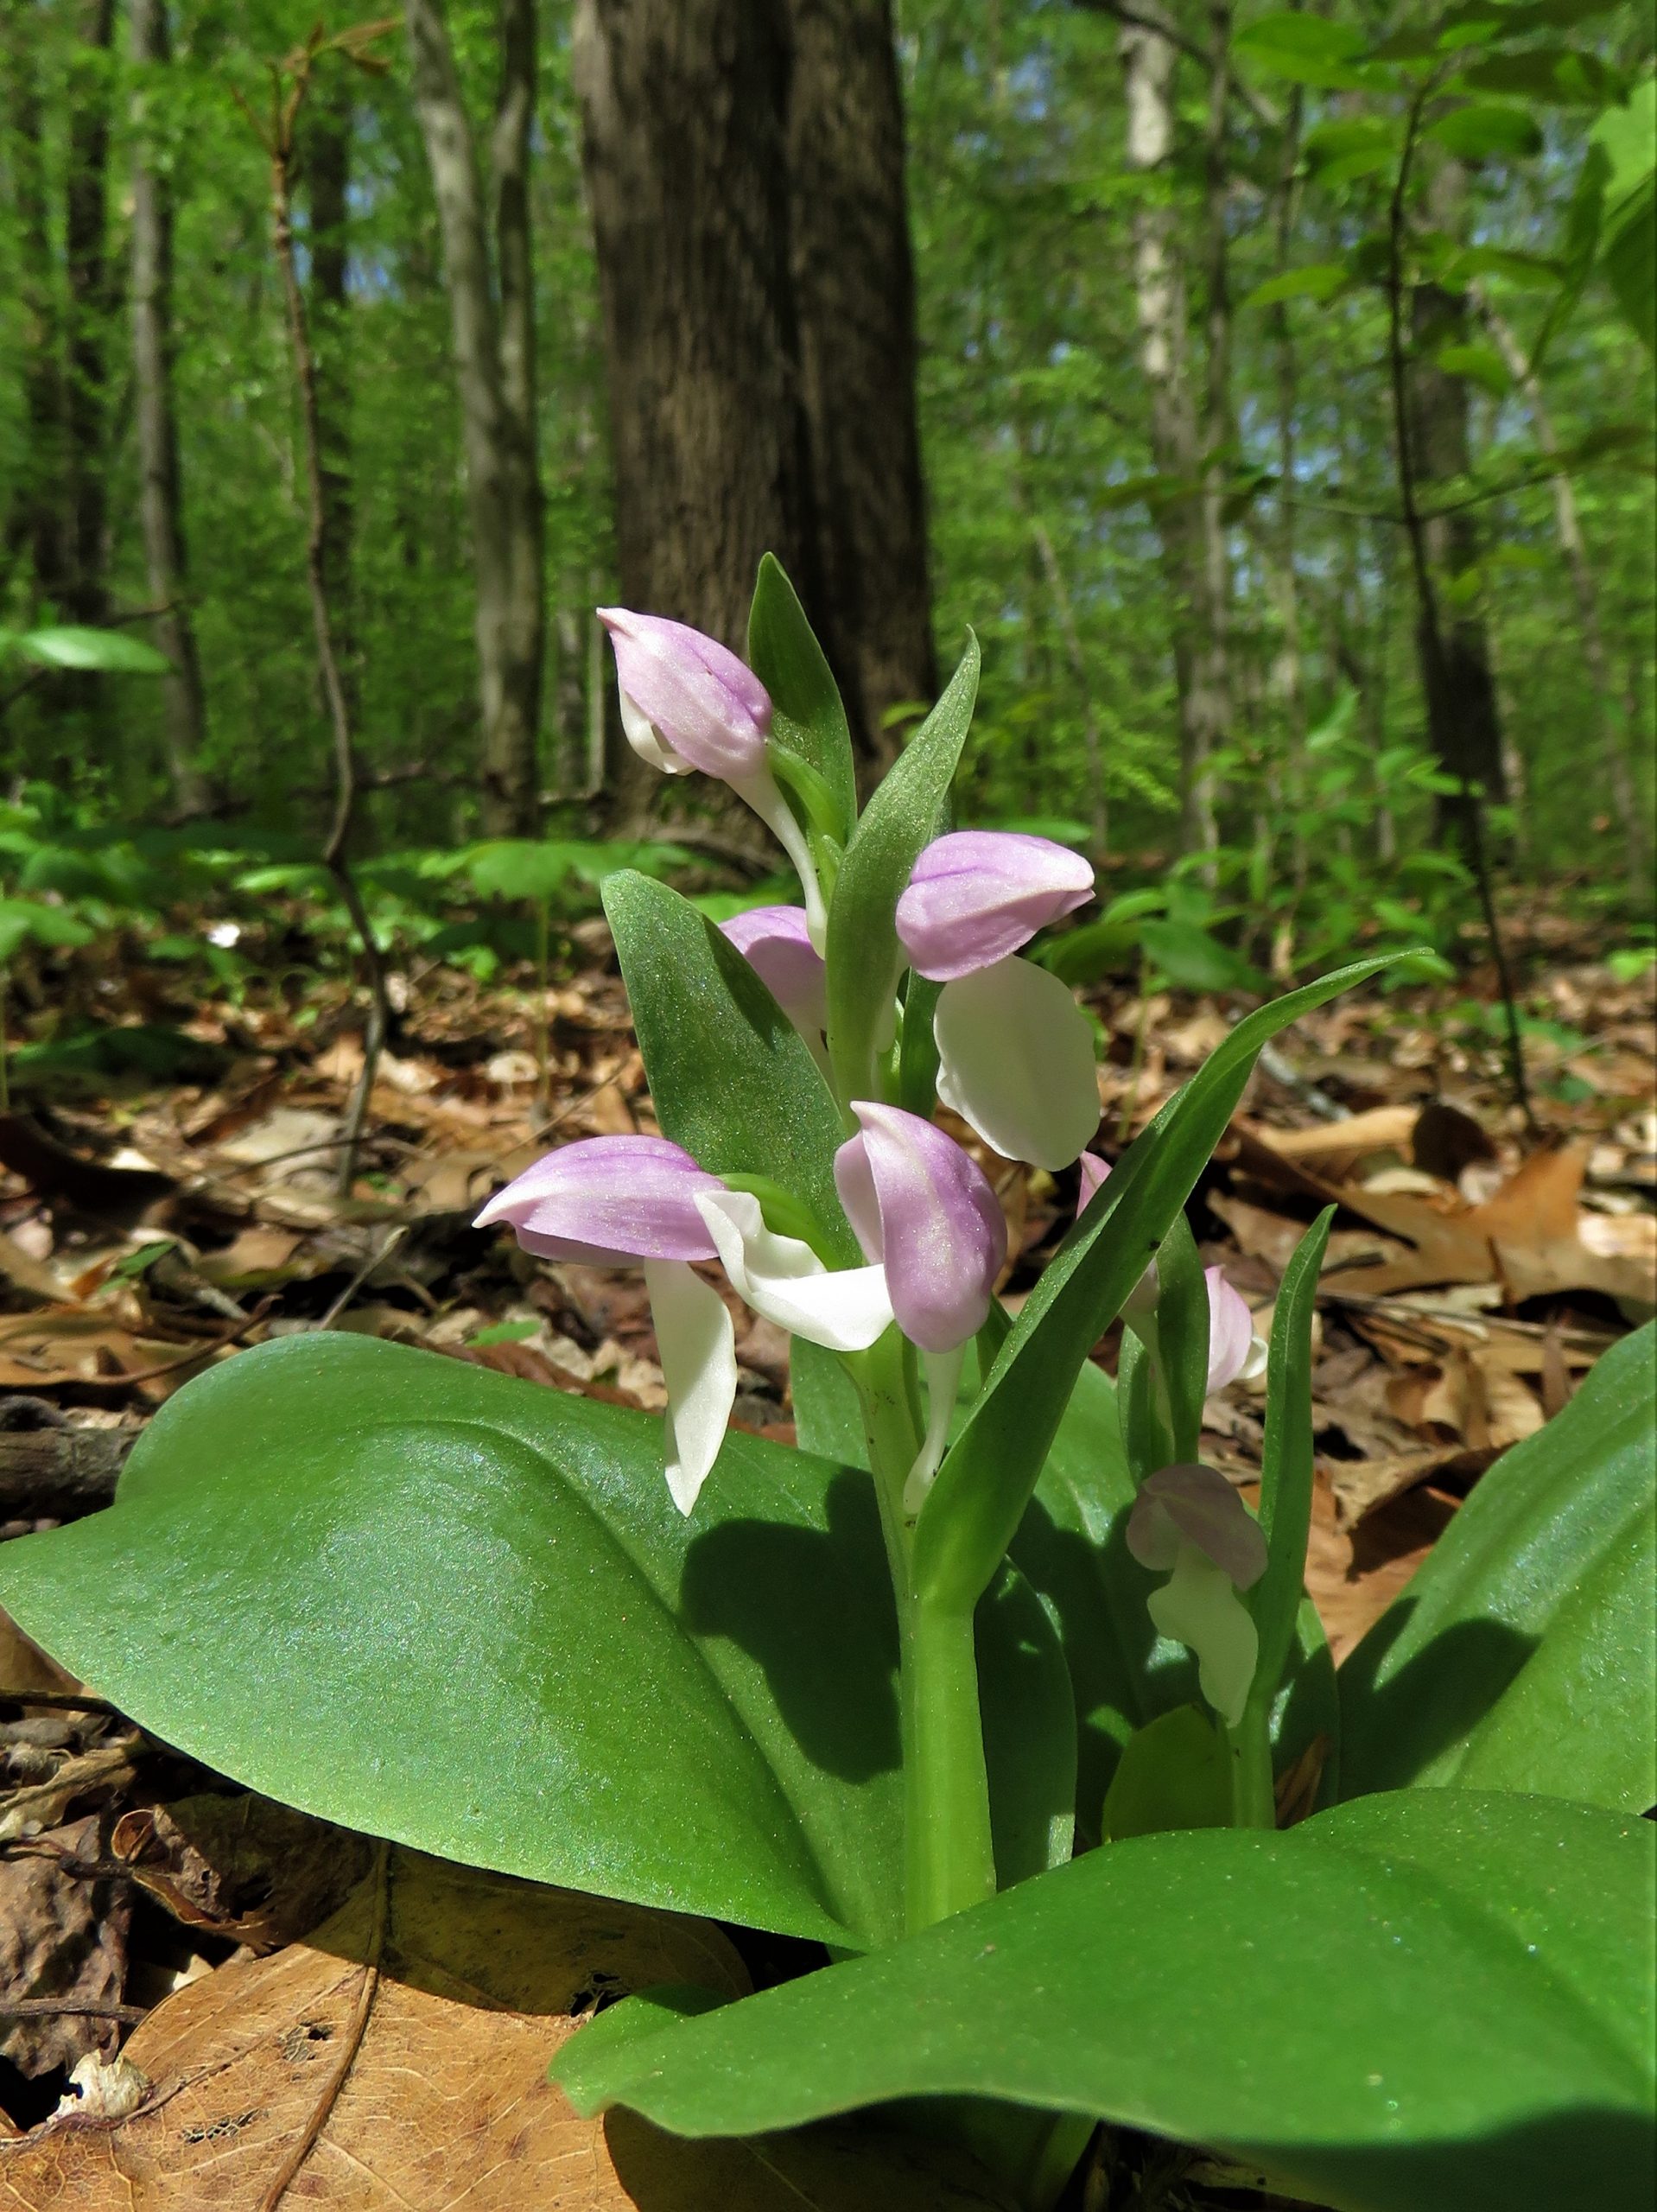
<point x="929" y="1222"/>
<point x="923" y="1210"/>
<point x="1189" y="1524"/>
<point x="608" y="1202"/>
<point x="1015" y="1051"/>
<point x="687" y="703"/>
<point x="1237" y="1354"/>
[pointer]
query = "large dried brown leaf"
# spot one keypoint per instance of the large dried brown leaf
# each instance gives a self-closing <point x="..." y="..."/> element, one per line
<point x="396" y="2063"/>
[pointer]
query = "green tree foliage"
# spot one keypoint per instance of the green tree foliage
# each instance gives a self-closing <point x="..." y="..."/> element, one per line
<point x="1047" y="509"/>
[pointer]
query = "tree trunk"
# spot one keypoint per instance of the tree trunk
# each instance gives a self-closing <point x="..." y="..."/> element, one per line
<point x="1567" y="525"/>
<point x="744" y="166"/>
<point x="326" y="127"/>
<point x="86" y="265"/>
<point x="855" y="289"/>
<point x="494" y="370"/>
<point x="1463" y="720"/>
<point x="1149" y="59"/>
<point x="35" y="524"/>
<point x="159" y="502"/>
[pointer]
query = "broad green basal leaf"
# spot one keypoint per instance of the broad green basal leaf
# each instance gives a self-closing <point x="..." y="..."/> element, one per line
<point x="462" y="1612"/>
<point x="1523" y="1656"/>
<point x="1431" y="2002"/>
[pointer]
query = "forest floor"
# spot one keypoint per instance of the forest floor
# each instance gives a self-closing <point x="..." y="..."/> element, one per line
<point x="1477" y="1269"/>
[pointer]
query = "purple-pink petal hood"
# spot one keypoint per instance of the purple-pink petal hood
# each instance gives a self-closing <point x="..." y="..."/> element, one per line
<point x="702" y="702"/>
<point x="977" y="895"/>
<point x="1195" y="1505"/>
<point x="924" y="1208"/>
<point x="774" y="942"/>
<point x="606" y="1200"/>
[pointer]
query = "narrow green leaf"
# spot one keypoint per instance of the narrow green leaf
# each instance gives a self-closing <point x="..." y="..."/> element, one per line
<point x="810" y="718"/>
<point x="462" y="1612"/>
<point x="730" y="1076"/>
<point x="902" y="817"/>
<point x="1523" y="1655"/>
<point x="1286" y="1460"/>
<point x="1182" y="1328"/>
<point x="986" y="1480"/>
<point x="1430" y="2002"/>
<point x="1320" y="281"/>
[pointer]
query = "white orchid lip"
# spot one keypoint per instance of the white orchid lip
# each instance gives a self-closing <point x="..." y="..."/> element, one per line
<point x="1016" y="1062"/>
<point x="782" y="1278"/>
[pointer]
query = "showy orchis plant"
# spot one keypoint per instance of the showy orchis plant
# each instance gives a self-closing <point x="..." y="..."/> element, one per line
<point x="1013" y="1058"/>
<point x="882" y="1691"/>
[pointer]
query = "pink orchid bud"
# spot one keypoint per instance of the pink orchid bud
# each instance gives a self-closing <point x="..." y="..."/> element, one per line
<point x="1195" y="1505"/>
<point x="923" y="1208"/>
<point x="606" y="1200"/>
<point x="776" y="943"/>
<point x="977" y="895"/>
<point x="686" y="701"/>
<point x="1236" y="1353"/>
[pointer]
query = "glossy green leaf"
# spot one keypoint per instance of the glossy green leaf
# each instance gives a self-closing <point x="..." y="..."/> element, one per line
<point x="730" y="1076"/>
<point x="462" y="1612"/>
<point x="110" y="652"/>
<point x="990" y="1472"/>
<point x="1523" y="1655"/>
<point x="810" y="720"/>
<point x="903" y="815"/>
<point x="1303" y="48"/>
<point x="1175" y="1773"/>
<point x="1318" y="281"/>
<point x="1429" y="2002"/>
<point x="1071" y="1548"/>
<point x="1489" y="130"/>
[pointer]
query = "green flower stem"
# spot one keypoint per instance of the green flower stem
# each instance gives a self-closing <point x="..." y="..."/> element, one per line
<point x="949" y="1863"/>
<point x="1253" y="1801"/>
<point x="948" y="1858"/>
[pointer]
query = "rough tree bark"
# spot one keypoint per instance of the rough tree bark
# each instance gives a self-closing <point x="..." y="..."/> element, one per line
<point x="1462" y="719"/>
<point x="854" y="292"/>
<point x="160" y="504"/>
<point x="494" y="362"/>
<point x="1149" y="58"/>
<point x="745" y="165"/>
<point x="86" y="265"/>
<point x="34" y="525"/>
